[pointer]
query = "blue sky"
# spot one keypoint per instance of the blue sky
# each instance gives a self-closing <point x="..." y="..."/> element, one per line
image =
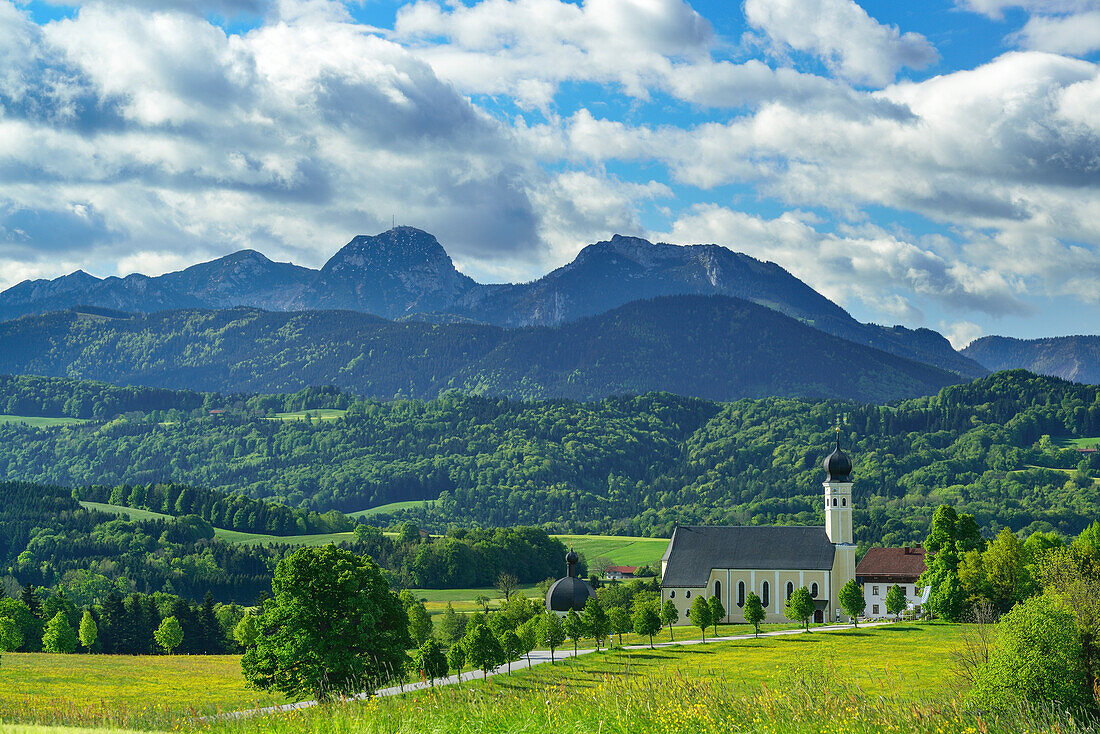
<point x="931" y="164"/>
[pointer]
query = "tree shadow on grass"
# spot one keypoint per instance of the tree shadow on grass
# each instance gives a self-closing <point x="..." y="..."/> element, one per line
<point x="902" y="628"/>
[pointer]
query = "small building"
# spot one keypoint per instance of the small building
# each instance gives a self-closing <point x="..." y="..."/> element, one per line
<point x="772" y="561"/>
<point x="881" y="568"/>
<point x="569" y="592"/>
<point x="619" y="572"/>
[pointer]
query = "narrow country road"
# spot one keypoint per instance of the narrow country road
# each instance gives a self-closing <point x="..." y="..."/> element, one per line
<point x="538" y="657"/>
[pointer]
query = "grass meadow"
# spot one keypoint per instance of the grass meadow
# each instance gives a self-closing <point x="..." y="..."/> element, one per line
<point x="40" y="422"/>
<point x="131" y="512"/>
<point x="622" y="550"/>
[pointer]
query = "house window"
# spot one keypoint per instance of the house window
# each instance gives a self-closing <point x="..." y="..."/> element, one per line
<point x="765" y="596"/>
<point x="874" y="591"/>
<point x="740" y="593"/>
<point x="790" y="590"/>
<point x="874" y="609"/>
<point x="813" y="590"/>
<point x="718" y="589"/>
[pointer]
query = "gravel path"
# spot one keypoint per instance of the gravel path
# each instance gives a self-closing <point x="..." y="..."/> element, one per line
<point x="538" y="657"/>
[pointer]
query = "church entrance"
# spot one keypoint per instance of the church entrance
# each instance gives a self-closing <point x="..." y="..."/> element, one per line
<point x="819" y="616"/>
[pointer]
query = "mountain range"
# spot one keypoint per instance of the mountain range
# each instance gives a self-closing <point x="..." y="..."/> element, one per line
<point x="1074" y="358"/>
<point x="405" y="273"/>
<point x="713" y="347"/>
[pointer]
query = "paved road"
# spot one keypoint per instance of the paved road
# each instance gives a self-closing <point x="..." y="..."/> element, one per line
<point x="537" y="657"/>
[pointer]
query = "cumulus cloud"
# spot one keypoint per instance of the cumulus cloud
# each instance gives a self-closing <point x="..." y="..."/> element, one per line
<point x="1076" y="35"/>
<point x="996" y="8"/>
<point x="961" y="333"/>
<point x="843" y="36"/>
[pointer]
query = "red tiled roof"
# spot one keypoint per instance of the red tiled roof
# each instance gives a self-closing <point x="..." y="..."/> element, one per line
<point x="621" y="569"/>
<point x="905" y="563"/>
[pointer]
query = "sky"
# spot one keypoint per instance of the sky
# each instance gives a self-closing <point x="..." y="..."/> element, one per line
<point x="929" y="164"/>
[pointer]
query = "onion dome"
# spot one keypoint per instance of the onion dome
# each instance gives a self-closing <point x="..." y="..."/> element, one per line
<point x="569" y="592"/>
<point x="837" y="465"/>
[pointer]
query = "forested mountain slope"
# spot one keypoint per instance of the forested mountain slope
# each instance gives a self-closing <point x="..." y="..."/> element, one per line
<point x="1074" y="358"/>
<point x="705" y="346"/>
<point x="622" y="465"/>
<point x="406" y="273"/>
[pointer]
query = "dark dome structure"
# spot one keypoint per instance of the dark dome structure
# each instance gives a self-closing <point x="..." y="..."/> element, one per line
<point x="570" y="592"/>
<point x="838" y="467"/>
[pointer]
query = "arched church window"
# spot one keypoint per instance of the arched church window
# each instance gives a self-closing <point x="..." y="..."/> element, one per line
<point x="813" y="590"/>
<point x="790" y="589"/>
<point x="740" y="593"/>
<point x="672" y="594"/>
<point x="834" y="501"/>
<point x="765" y="596"/>
<point x="687" y="594"/>
<point x="843" y="501"/>
<point x="718" y="589"/>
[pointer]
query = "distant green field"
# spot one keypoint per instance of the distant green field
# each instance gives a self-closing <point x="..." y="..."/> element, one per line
<point x="391" y="507"/>
<point x="325" y="414"/>
<point x="236" y="536"/>
<point x="1078" y="443"/>
<point x="134" y="514"/>
<point x="623" y="550"/>
<point x="40" y="422"/>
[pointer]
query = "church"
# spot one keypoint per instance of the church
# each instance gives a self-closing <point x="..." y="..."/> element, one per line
<point x="730" y="561"/>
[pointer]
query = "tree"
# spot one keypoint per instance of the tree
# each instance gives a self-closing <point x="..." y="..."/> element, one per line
<point x="482" y="601"/>
<point x="895" y="601"/>
<point x="430" y="661"/>
<point x="169" y="634"/>
<point x="11" y="635"/>
<point x="754" y="611"/>
<point x="247" y="629"/>
<point x="451" y="625"/>
<point x="32" y="599"/>
<point x="947" y="600"/>
<point x="646" y="621"/>
<point x="59" y="636"/>
<point x="551" y="632"/>
<point x="409" y="533"/>
<point x="483" y="649"/>
<point x="507" y="584"/>
<point x="332" y="627"/>
<point x="420" y="623"/>
<point x="595" y="620"/>
<point x="1007" y="577"/>
<point x="512" y="646"/>
<point x="528" y="633"/>
<point x="619" y="621"/>
<point x="670" y="615"/>
<point x="456" y="658"/>
<point x="800" y="607"/>
<point x="574" y="628"/>
<point x="851" y="598"/>
<point x="700" y="615"/>
<point x="717" y="612"/>
<point x="88" y="631"/>
<point x="1037" y="658"/>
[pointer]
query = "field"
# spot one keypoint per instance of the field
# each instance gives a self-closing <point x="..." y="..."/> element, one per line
<point x="237" y="536"/>
<point x="40" y="422"/>
<point x="325" y="414"/>
<point x="1078" y="443"/>
<point x="391" y="507"/>
<point x="622" y="550"/>
<point x="132" y="513"/>
<point x="121" y="690"/>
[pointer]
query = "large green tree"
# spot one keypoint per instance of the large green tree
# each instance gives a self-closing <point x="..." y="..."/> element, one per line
<point x="595" y="620"/>
<point x="895" y="600"/>
<point x="646" y="620"/>
<point x="699" y="614"/>
<point x="800" y="607"/>
<point x="717" y="612"/>
<point x="670" y="615"/>
<point x="59" y="635"/>
<point x="551" y="632"/>
<point x="852" y="600"/>
<point x="574" y="628"/>
<point x="169" y="634"/>
<point x="88" y="632"/>
<point x="754" y="611"/>
<point x="430" y="661"/>
<point x="332" y="627"/>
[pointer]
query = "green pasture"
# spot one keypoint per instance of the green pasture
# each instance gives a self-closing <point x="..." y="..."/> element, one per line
<point x="238" y="536"/>
<point x="390" y="508"/>
<point x="325" y="414"/>
<point x="131" y="512"/>
<point x="121" y="690"/>
<point x="622" y="550"/>
<point x="1078" y="443"/>
<point x="40" y="422"/>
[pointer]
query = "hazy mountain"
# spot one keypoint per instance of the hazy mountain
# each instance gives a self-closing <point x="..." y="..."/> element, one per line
<point x="1074" y="358"/>
<point x="405" y="273"/>
<point x="713" y="347"/>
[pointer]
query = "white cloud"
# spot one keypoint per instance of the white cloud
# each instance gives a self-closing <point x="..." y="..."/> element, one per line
<point x="996" y="8"/>
<point x="1076" y="35"/>
<point x="843" y="35"/>
<point x="961" y="333"/>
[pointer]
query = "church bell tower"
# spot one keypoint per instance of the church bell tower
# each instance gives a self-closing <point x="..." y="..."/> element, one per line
<point x="838" y="495"/>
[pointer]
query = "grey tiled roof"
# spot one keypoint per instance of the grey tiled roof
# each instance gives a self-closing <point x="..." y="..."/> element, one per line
<point x="694" y="550"/>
